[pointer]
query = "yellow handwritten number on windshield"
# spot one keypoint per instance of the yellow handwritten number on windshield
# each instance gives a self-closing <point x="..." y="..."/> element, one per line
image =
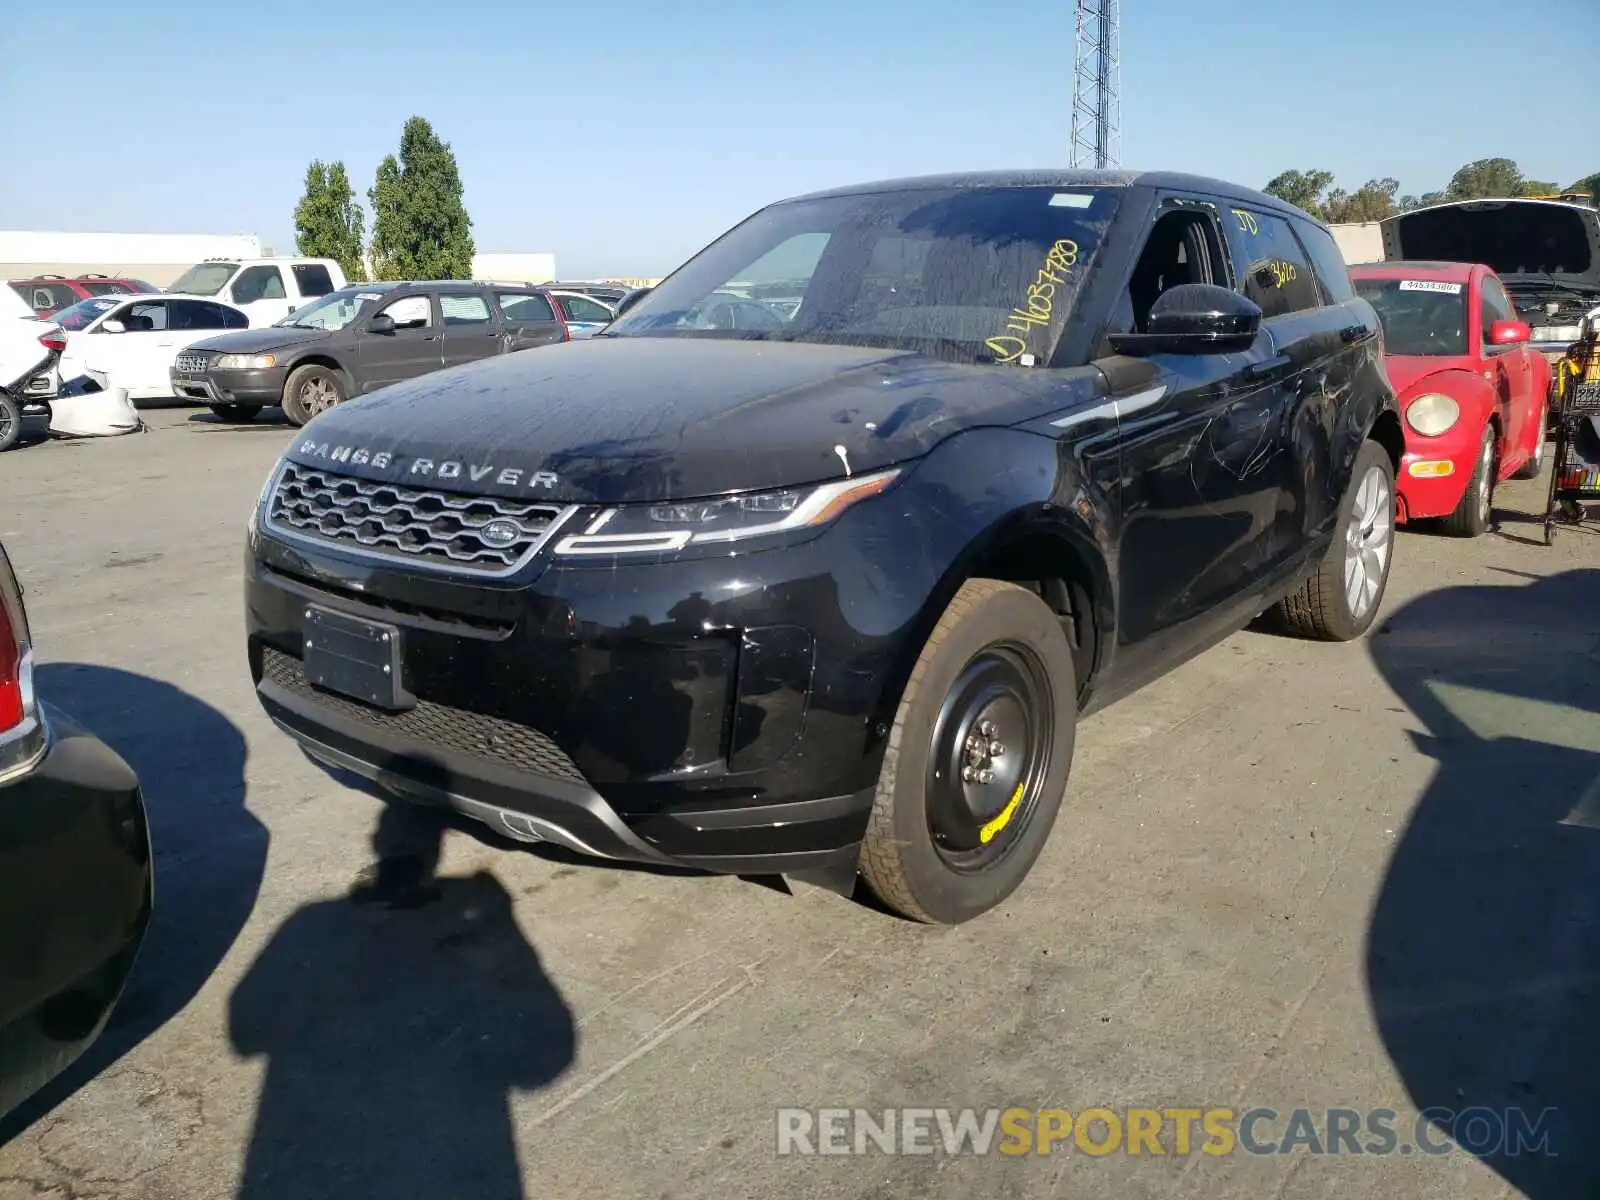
<point x="1038" y="304"/>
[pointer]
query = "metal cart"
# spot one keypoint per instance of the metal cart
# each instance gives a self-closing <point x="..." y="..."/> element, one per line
<point x="1574" y="479"/>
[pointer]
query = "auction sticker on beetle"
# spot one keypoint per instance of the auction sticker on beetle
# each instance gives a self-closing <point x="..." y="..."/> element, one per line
<point x="1430" y="285"/>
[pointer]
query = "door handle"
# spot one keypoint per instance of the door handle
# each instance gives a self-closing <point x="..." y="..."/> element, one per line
<point x="1275" y="365"/>
<point x="1354" y="333"/>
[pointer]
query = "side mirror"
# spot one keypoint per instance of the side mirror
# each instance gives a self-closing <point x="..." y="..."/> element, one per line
<point x="631" y="299"/>
<point x="112" y="326"/>
<point x="1194" y="318"/>
<point x="1510" y="333"/>
<point x="382" y="323"/>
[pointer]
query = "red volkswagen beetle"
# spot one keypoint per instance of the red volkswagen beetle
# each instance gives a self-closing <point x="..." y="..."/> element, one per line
<point x="1472" y="390"/>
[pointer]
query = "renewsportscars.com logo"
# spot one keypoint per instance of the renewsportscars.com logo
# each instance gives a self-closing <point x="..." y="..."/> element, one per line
<point x="1154" y="1132"/>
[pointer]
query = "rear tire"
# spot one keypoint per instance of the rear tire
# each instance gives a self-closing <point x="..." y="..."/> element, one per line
<point x="1340" y="600"/>
<point x="1471" y="517"/>
<point x="1535" y="464"/>
<point x="977" y="759"/>
<point x="235" y="414"/>
<point x="310" y="391"/>
<point x="10" y="421"/>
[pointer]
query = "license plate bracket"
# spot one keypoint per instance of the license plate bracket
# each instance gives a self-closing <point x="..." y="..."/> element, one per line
<point x="354" y="657"/>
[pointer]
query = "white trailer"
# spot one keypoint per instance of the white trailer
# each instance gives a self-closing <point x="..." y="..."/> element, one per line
<point x="157" y="258"/>
<point x="1359" y="242"/>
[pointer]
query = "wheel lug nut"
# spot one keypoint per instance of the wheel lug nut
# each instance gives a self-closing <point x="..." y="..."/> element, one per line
<point x="966" y="774"/>
<point x="986" y="777"/>
<point x="996" y="749"/>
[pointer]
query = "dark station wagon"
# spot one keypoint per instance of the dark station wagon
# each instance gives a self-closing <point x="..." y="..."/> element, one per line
<point x="825" y="594"/>
<point x="360" y="338"/>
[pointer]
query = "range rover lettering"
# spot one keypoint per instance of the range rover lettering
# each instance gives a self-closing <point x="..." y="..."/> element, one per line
<point x="825" y="594"/>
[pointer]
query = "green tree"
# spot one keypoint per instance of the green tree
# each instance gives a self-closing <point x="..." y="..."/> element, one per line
<point x="420" y="227"/>
<point x="1303" y="189"/>
<point x="1487" y="177"/>
<point x="328" y="223"/>
<point x="1537" y="187"/>
<point x="1373" y="201"/>
<point x="1590" y="184"/>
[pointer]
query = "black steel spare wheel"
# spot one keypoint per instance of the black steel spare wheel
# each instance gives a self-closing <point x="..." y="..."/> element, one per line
<point x="990" y="747"/>
<point x="977" y="759"/>
<point x="10" y="421"/>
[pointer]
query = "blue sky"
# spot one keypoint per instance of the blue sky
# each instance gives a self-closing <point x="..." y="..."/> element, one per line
<point x="623" y="136"/>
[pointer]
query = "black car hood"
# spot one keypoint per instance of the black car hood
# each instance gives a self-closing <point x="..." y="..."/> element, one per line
<point x="609" y="420"/>
<point x="255" y="341"/>
<point x="1524" y="241"/>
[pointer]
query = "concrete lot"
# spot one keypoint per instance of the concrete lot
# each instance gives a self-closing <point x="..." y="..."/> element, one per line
<point x="1361" y="876"/>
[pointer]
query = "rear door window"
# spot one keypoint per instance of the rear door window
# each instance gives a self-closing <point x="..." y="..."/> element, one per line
<point x="203" y="314"/>
<point x="259" y="283"/>
<point x="581" y="308"/>
<point x="1272" y="266"/>
<point x="109" y="289"/>
<point x="464" y="308"/>
<point x="312" y="279"/>
<point x="1328" y="263"/>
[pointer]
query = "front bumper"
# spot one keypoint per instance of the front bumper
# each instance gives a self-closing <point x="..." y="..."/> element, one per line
<point x="75" y="901"/>
<point x="263" y="388"/>
<point x="621" y="712"/>
<point x="1430" y="495"/>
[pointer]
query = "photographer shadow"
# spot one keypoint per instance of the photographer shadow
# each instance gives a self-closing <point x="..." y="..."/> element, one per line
<point x="395" y="1021"/>
<point x="1483" y="952"/>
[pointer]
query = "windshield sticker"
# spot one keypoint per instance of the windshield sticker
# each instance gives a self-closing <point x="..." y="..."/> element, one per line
<point x="1430" y="285"/>
<point x="1072" y="200"/>
<point x="1247" y="221"/>
<point x="1038" y="308"/>
<point x="369" y="295"/>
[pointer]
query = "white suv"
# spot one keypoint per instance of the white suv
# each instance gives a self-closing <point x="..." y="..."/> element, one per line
<point x="29" y="349"/>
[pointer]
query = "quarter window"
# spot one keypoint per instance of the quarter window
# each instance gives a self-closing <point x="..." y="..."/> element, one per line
<point x="1327" y="262"/>
<point x="525" y="308"/>
<point x="1273" y="268"/>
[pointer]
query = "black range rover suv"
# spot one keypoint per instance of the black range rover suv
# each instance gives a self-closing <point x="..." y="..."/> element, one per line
<point x="827" y="596"/>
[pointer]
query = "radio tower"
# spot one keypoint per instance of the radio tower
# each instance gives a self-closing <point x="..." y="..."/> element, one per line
<point x="1096" y="106"/>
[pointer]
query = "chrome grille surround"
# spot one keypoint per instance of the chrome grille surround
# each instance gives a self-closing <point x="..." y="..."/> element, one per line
<point x="414" y="527"/>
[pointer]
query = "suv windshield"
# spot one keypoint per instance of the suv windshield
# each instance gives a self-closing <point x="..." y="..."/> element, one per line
<point x="83" y="312"/>
<point x="333" y="311"/>
<point x="970" y="274"/>
<point x="204" y="279"/>
<point x="1419" y="316"/>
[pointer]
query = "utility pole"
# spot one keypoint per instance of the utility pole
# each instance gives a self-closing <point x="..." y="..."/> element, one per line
<point x="1096" y="104"/>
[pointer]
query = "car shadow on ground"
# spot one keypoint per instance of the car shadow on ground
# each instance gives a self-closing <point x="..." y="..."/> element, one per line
<point x="1483" y="953"/>
<point x="210" y="852"/>
<point x="267" y="418"/>
<point x="394" y="1022"/>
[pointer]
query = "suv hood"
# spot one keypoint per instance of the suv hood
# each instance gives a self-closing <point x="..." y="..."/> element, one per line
<point x="1524" y="241"/>
<point x="612" y="420"/>
<point x="253" y="341"/>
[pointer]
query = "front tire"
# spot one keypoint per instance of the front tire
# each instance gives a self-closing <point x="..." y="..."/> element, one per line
<point x="977" y="759"/>
<point x="1472" y="515"/>
<point x="1535" y="464"/>
<point x="235" y="414"/>
<point x="1340" y="600"/>
<point x="310" y="391"/>
<point x="10" y="421"/>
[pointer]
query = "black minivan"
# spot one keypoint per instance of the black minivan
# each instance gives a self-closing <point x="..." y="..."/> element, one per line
<point x="360" y="338"/>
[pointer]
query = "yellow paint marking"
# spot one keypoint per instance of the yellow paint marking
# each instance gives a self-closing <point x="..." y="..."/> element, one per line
<point x="986" y="834"/>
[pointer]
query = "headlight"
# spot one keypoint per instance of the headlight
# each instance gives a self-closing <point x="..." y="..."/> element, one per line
<point x="254" y="521"/>
<point x="658" y="528"/>
<point x="1432" y="413"/>
<point x="244" y="362"/>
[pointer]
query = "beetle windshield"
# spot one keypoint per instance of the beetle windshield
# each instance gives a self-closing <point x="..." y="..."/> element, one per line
<point x="984" y="274"/>
<point x="1420" y="316"/>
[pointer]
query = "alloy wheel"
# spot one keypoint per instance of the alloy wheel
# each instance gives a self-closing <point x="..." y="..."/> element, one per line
<point x="1368" y="540"/>
<point x="317" y="396"/>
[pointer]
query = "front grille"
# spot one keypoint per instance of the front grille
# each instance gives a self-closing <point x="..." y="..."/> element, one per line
<point x="191" y="363"/>
<point x="415" y="525"/>
<point x="436" y="725"/>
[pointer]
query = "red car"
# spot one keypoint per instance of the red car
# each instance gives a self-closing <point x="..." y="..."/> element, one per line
<point x="49" y="294"/>
<point x="1472" y="389"/>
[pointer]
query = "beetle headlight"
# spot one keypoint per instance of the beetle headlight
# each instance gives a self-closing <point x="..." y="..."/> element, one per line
<point x="659" y="528"/>
<point x="1432" y="413"/>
